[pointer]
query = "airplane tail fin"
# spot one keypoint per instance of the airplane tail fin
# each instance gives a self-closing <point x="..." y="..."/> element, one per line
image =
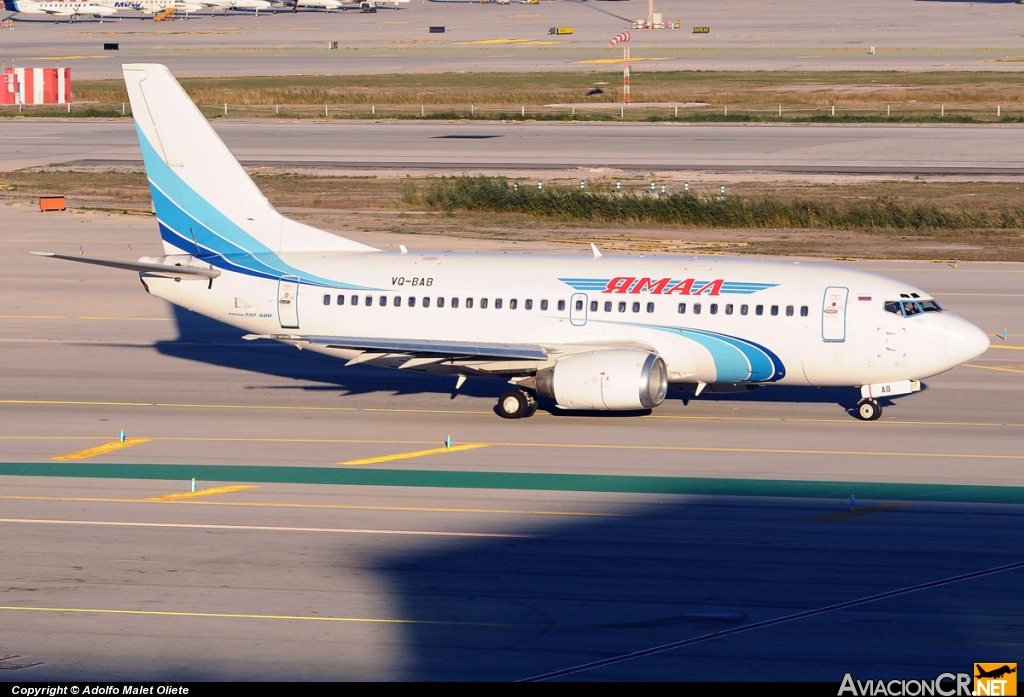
<point x="205" y="202"/>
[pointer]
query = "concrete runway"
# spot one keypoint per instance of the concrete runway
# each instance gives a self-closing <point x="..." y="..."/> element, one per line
<point x="619" y="532"/>
<point x="983" y="151"/>
<point x="759" y="35"/>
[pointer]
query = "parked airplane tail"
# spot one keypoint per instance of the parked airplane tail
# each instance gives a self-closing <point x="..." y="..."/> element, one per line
<point x="205" y="202"/>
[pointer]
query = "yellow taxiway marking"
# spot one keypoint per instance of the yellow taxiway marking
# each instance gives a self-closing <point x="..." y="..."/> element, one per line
<point x="619" y="60"/>
<point x="243" y="616"/>
<point x="983" y="295"/>
<point x="1006" y="348"/>
<point x="101" y="449"/>
<point x="845" y="421"/>
<point x="1004" y="368"/>
<point x="270" y="528"/>
<point x="580" y="446"/>
<point x="853" y="513"/>
<point x="417" y="453"/>
<point x="328" y="506"/>
<point x="202" y="492"/>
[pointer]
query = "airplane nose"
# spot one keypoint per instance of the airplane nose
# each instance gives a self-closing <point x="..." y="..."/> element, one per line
<point x="964" y="341"/>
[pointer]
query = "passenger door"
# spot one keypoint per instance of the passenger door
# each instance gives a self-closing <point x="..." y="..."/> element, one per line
<point x="833" y="314"/>
<point x="288" y="302"/>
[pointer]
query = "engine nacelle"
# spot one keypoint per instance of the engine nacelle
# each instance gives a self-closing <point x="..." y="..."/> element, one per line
<point x="606" y="379"/>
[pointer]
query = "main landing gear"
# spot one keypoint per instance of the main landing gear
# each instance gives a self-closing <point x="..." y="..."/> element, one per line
<point x="516" y="404"/>
<point x="868" y="410"/>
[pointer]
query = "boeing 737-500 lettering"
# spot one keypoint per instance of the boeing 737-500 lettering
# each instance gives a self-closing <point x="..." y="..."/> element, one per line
<point x="588" y="332"/>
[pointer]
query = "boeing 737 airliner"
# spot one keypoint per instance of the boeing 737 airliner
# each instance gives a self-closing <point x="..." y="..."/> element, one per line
<point x="589" y="332"/>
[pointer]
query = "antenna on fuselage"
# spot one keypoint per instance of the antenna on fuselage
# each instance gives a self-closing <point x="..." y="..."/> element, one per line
<point x="597" y="252"/>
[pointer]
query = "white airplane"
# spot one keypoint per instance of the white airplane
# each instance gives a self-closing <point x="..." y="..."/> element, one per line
<point x="150" y="7"/>
<point x="226" y="5"/>
<point x="71" y="10"/>
<point x="589" y="332"/>
<point x="327" y="5"/>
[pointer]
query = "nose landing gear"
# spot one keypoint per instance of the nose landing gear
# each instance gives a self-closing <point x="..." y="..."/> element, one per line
<point x="516" y="404"/>
<point x="868" y="410"/>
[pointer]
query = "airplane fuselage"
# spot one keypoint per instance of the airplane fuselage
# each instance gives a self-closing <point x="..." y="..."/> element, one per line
<point x="712" y="320"/>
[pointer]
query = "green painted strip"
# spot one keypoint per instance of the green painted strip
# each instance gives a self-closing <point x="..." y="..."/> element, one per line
<point x="526" y="481"/>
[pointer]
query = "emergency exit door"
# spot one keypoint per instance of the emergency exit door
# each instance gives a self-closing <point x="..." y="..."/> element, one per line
<point x="833" y="314"/>
<point x="288" y="302"/>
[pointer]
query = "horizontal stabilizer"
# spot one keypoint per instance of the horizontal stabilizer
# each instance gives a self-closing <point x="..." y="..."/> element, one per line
<point x="142" y="267"/>
<point x="420" y="347"/>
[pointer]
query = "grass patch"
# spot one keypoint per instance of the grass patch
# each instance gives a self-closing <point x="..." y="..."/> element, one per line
<point x="566" y="203"/>
<point x="858" y="96"/>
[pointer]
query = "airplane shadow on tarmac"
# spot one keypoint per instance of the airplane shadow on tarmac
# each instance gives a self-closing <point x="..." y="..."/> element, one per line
<point x="586" y="588"/>
<point x="207" y="341"/>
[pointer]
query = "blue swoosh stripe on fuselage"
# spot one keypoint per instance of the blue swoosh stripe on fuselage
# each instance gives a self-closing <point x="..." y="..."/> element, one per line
<point x="763" y="365"/>
<point x="736" y="359"/>
<point x="221" y="242"/>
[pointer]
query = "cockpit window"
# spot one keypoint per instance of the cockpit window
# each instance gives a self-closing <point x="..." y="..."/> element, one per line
<point x="911" y="308"/>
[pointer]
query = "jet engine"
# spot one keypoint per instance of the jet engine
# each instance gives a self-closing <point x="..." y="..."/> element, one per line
<point x="607" y="379"/>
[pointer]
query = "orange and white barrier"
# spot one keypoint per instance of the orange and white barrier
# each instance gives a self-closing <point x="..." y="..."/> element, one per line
<point x="36" y="86"/>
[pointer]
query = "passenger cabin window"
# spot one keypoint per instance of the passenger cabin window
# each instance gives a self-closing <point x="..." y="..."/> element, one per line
<point x="682" y="308"/>
<point x="544" y="305"/>
<point x="469" y="303"/>
<point x="561" y="305"/>
<point x="383" y="300"/>
<point x="483" y="303"/>
<point x="607" y="307"/>
<point x="696" y="308"/>
<point x="579" y="305"/>
<point x="327" y="300"/>
<point x="775" y="310"/>
<point x="529" y="305"/>
<point x="369" y="301"/>
<point x="743" y="309"/>
<point x="789" y="310"/>
<point x="440" y="302"/>
<point x="714" y="308"/>
<point x="803" y="311"/>
<point x="497" y="303"/>
<point x="355" y="299"/>
<point x="650" y="307"/>
<point x="512" y="304"/>
<point x="636" y="307"/>
<point x="455" y="302"/>
<point x="728" y="309"/>
<point x="426" y="302"/>
<point x="341" y="299"/>
<point x="622" y="307"/>
<point x="398" y="301"/>
<point x="412" y="301"/>
<point x="593" y="305"/>
<point x="759" y="310"/>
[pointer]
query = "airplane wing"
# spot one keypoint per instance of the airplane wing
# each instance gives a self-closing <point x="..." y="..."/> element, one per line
<point x="165" y="270"/>
<point x="418" y="347"/>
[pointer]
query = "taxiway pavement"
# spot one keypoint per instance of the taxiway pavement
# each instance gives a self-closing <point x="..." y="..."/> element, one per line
<point x="764" y="35"/>
<point x="549" y="543"/>
<point x="967" y="151"/>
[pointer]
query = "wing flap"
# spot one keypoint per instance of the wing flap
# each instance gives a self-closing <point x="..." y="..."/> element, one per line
<point x="418" y="347"/>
